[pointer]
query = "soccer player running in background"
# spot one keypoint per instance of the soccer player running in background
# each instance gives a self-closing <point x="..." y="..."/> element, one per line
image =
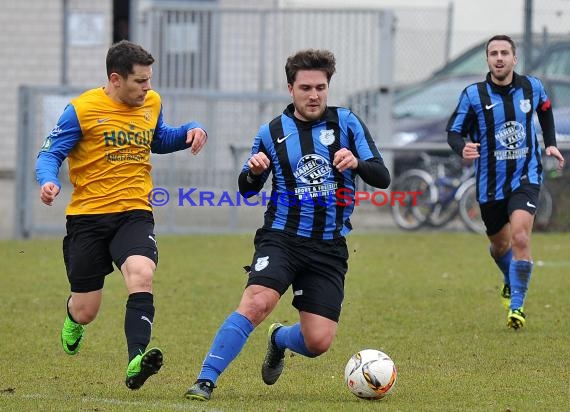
<point x="313" y="151"/>
<point x="107" y="135"/>
<point x="497" y="116"/>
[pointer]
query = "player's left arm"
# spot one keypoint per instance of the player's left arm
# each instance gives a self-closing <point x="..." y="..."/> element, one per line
<point x="168" y="139"/>
<point x="546" y="120"/>
<point x="363" y="156"/>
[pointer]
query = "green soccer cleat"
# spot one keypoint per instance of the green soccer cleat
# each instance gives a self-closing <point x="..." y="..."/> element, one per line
<point x="516" y="318"/>
<point x="506" y="296"/>
<point x="200" y="391"/>
<point x="71" y="336"/>
<point x="142" y="367"/>
<point x="273" y="363"/>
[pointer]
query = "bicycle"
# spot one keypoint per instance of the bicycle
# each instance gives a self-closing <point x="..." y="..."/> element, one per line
<point x="469" y="210"/>
<point x="452" y="175"/>
<point x="412" y="212"/>
<point x="450" y="190"/>
<point x="440" y="194"/>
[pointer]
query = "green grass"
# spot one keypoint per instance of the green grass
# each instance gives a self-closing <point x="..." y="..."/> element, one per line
<point x="428" y="300"/>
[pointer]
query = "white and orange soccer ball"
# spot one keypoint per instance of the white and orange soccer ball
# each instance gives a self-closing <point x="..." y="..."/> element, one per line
<point x="370" y="374"/>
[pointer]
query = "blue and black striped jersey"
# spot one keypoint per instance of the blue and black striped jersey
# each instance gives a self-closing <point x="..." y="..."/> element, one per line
<point x="305" y="183"/>
<point x="500" y="118"/>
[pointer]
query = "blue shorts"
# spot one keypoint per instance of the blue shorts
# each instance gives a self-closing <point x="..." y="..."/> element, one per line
<point x="94" y="242"/>
<point x="315" y="269"/>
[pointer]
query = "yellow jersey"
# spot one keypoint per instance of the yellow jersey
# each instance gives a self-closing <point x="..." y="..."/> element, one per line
<point x="108" y="146"/>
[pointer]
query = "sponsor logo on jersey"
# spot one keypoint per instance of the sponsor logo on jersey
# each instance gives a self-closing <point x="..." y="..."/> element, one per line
<point x="119" y="138"/>
<point x="282" y="139"/>
<point x="312" y="169"/>
<point x="512" y="136"/>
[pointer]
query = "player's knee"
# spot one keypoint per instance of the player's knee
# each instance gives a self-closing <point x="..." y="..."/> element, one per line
<point x="138" y="276"/>
<point x="257" y="302"/>
<point x="256" y="308"/>
<point x="84" y="315"/>
<point x="500" y="247"/>
<point x="318" y="345"/>
<point x="520" y="239"/>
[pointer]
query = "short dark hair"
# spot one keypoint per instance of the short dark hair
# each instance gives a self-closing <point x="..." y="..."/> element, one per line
<point x="501" y="37"/>
<point x="123" y="55"/>
<point x="310" y="59"/>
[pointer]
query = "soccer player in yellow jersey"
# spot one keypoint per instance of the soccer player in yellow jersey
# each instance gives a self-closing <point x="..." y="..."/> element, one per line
<point x="107" y="135"/>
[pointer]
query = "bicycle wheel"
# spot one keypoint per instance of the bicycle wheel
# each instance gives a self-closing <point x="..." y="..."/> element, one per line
<point x="469" y="209"/>
<point x="410" y="212"/>
<point x="447" y="205"/>
<point x="544" y="209"/>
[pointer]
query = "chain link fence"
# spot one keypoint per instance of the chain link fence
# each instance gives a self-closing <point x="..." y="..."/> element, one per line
<point x="225" y="68"/>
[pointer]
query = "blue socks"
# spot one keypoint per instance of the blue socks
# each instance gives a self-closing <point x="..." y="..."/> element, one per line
<point x="227" y="344"/>
<point x="290" y="337"/>
<point x="504" y="263"/>
<point x="233" y="335"/>
<point x="519" y="275"/>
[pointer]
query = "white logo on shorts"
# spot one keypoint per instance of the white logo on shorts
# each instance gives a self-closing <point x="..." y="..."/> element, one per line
<point x="261" y="263"/>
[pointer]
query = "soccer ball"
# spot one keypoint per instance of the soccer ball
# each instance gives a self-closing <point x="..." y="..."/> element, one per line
<point x="370" y="374"/>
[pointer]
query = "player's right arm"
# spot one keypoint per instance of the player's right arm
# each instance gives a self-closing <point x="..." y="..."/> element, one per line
<point x="256" y="169"/>
<point x="57" y="145"/>
<point x="459" y="124"/>
<point x="48" y="192"/>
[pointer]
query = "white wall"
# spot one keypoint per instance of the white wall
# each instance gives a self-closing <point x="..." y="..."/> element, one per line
<point x="30" y="40"/>
<point x="31" y="54"/>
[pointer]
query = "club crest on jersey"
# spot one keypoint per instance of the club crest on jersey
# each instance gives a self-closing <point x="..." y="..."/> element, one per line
<point x="312" y="169"/>
<point x="327" y="137"/>
<point x="147" y="115"/>
<point x="261" y="263"/>
<point x="511" y="135"/>
<point x="525" y="105"/>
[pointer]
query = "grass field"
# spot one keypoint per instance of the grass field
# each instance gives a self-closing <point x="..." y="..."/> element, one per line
<point x="428" y="300"/>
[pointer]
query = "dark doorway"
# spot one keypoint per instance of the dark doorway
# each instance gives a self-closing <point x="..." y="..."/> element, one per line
<point x="121" y="18"/>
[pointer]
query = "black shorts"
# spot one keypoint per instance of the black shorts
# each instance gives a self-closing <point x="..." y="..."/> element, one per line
<point x="496" y="214"/>
<point x="94" y="242"/>
<point x="314" y="268"/>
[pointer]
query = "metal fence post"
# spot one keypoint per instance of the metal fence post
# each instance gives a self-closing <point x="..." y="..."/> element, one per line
<point x="21" y="199"/>
<point x="383" y="117"/>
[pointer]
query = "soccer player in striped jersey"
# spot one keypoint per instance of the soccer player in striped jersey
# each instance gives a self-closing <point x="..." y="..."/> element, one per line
<point x="107" y="135"/>
<point x="497" y="116"/>
<point x="313" y="152"/>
